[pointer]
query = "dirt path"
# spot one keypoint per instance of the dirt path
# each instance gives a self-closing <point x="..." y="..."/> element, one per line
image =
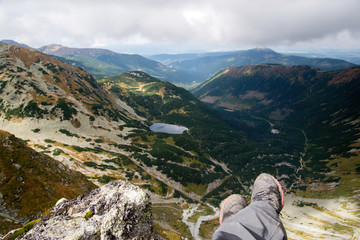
<point x="205" y="218"/>
<point x="194" y="227"/>
<point x="187" y="213"/>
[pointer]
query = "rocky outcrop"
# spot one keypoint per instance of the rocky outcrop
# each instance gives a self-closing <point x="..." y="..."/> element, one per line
<point x="117" y="210"/>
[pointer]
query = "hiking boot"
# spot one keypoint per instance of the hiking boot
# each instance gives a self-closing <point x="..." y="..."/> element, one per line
<point x="267" y="188"/>
<point x="231" y="205"/>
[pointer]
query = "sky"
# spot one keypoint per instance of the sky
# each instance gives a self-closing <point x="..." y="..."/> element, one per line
<point x="177" y="26"/>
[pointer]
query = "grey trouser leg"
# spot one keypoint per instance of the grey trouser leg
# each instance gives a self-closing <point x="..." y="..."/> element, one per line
<point x="257" y="221"/>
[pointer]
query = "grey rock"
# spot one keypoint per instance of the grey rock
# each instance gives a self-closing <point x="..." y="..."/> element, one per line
<point x="9" y="234"/>
<point x="18" y="166"/>
<point x="60" y="201"/>
<point x="118" y="210"/>
<point x="62" y="167"/>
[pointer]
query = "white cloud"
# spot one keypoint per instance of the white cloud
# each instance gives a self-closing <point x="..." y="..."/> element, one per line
<point x="203" y="23"/>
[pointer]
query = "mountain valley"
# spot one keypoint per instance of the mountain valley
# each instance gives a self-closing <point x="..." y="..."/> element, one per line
<point x="314" y="114"/>
<point x="62" y="111"/>
<point x="298" y="123"/>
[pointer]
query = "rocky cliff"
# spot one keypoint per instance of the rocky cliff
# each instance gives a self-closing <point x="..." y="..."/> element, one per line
<point x="117" y="210"/>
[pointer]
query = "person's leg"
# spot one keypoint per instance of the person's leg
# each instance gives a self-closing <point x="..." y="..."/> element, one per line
<point x="260" y="219"/>
<point x="231" y="205"/>
<point x="267" y="188"/>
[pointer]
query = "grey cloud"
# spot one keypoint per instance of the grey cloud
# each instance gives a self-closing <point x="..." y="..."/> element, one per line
<point x="204" y="22"/>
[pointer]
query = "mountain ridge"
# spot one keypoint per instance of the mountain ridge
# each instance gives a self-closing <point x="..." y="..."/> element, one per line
<point x="104" y="62"/>
<point x="60" y="50"/>
<point x="12" y="42"/>
<point x="101" y="128"/>
<point x="187" y="70"/>
<point x="101" y="62"/>
<point x="205" y="66"/>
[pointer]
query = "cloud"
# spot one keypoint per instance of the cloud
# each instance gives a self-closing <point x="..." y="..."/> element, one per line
<point x="205" y="23"/>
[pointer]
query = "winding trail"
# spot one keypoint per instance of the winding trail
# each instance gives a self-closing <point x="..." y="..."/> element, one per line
<point x="305" y="150"/>
<point x="263" y="119"/>
<point x="205" y="218"/>
<point x="187" y="213"/>
<point x="195" y="227"/>
<point x="301" y="161"/>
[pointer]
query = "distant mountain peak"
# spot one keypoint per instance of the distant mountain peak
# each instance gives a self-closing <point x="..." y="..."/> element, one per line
<point x="50" y="48"/>
<point x="56" y="50"/>
<point x="263" y="49"/>
<point x="261" y="52"/>
<point x="12" y="42"/>
<point x="54" y="45"/>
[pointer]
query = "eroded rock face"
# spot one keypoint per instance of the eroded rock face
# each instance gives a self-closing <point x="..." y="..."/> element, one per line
<point x="117" y="210"/>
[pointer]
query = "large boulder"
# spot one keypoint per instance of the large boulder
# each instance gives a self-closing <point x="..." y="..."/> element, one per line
<point x="117" y="210"/>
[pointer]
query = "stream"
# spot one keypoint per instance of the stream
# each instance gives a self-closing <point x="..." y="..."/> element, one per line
<point x="195" y="227"/>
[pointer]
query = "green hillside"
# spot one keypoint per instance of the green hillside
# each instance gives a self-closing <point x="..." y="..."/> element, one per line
<point x="163" y="102"/>
<point x="313" y="113"/>
<point x="160" y="101"/>
<point x="102" y="62"/>
<point x="93" y="66"/>
<point x="32" y="182"/>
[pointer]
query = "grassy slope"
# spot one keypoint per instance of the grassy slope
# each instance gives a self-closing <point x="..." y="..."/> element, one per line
<point x="317" y="114"/>
<point x="321" y="118"/>
<point x="31" y="182"/>
<point x="163" y="102"/>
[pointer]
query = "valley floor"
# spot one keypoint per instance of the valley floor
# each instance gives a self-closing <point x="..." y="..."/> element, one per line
<point x="307" y="218"/>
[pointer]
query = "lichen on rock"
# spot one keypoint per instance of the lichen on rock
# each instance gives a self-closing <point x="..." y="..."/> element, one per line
<point x="119" y="209"/>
